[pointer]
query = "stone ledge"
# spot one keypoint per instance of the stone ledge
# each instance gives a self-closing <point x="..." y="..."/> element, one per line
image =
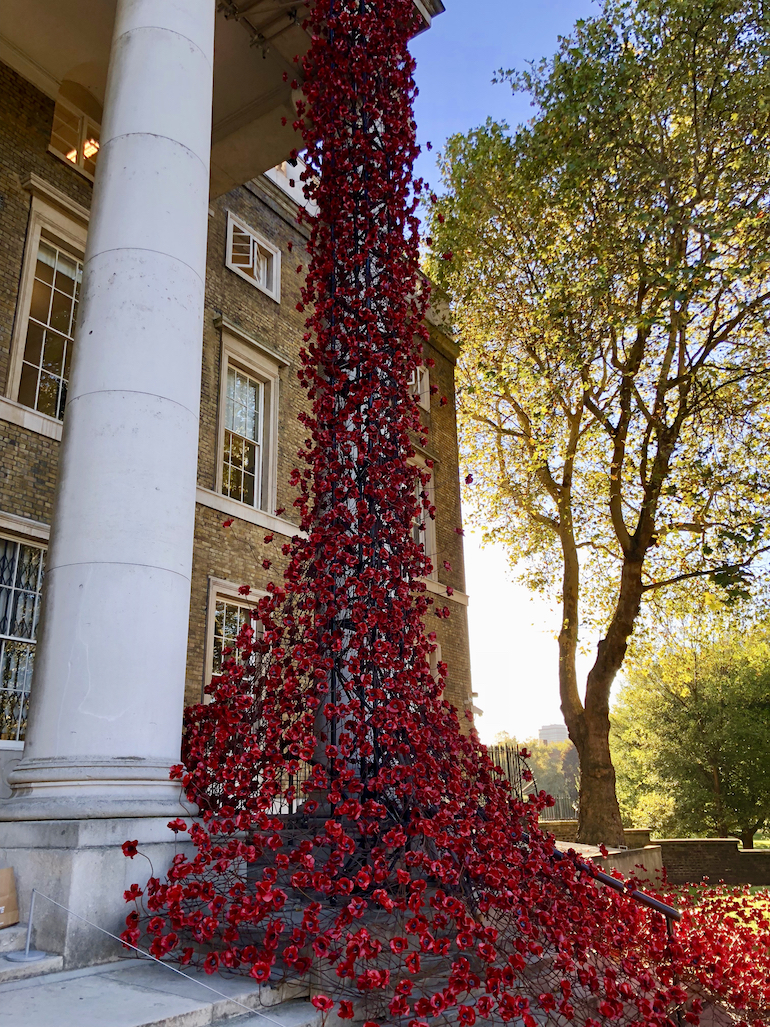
<point x="11" y="972"/>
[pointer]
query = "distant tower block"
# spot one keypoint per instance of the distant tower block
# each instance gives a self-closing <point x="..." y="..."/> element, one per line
<point x="553" y="733"/>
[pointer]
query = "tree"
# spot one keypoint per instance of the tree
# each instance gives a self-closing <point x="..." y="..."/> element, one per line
<point x="609" y="265"/>
<point x="693" y="727"/>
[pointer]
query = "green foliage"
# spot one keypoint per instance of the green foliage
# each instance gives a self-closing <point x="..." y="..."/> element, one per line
<point x="691" y="735"/>
<point x="611" y="288"/>
<point x="611" y="277"/>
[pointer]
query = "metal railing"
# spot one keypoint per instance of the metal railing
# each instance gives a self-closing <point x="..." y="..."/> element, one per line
<point x="672" y="915"/>
<point x="514" y="767"/>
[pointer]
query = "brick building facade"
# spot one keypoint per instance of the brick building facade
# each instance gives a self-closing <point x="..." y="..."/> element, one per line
<point x="251" y="338"/>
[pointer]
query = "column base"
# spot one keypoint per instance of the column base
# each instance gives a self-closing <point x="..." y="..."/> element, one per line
<point x="80" y="863"/>
<point x="93" y="788"/>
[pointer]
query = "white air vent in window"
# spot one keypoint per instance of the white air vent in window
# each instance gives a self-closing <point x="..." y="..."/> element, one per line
<point x="252" y="257"/>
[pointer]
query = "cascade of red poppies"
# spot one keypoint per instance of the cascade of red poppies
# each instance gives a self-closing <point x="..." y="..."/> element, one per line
<point x="350" y="833"/>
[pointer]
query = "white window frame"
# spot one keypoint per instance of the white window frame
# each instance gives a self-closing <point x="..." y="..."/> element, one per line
<point x="258" y="441"/>
<point x="56" y="218"/>
<point x="85" y="121"/>
<point x="435" y="659"/>
<point x="226" y="591"/>
<point x="430" y="522"/>
<point x="23" y="533"/>
<point x="258" y="241"/>
<point x="419" y="386"/>
<point x="242" y="351"/>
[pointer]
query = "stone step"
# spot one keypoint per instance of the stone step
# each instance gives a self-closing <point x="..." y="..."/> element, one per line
<point x="13" y="938"/>
<point x="287" y="1014"/>
<point x="140" y="993"/>
<point x="10" y="972"/>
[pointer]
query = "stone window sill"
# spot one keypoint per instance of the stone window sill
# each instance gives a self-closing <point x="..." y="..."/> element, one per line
<point x="242" y="512"/>
<point x="30" y="419"/>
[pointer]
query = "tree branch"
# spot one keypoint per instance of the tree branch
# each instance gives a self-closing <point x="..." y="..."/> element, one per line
<point x="724" y="568"/>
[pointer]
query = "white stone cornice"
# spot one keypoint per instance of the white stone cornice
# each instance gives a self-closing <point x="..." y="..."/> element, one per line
<point x="23" y="527"/>
<point x="33" y="72"/>
<point x="45" y="191"/>
<point x="220" y="321"/>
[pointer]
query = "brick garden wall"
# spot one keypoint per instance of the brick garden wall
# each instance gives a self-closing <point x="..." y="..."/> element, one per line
<point x="689" y="860"/>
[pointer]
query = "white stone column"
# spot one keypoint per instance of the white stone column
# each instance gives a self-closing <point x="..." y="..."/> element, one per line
<point x="107" y="695"/>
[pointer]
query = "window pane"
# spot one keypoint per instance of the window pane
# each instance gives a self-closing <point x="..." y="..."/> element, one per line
<point x="66" y="273"/>
<point x="232" y="621"/>
<point x="21" y="570"/>
<point x="229" y="618"/>
<point x="248" y="488"/>
<point x="48" y="395"/>
<point x="22" y="618"/>
<point x="6" y="598"/>
<point x="28" y="568"/>
<point x="7" y="561"/>
<point x="236" y="451"/>
<point x="239" y="410"/>
<point x="53" y="355"/>
<point x="28" y="385"/>
<point x="65" y="134"/>
<point x="41" y="302"/>
<point x="241" y="251"/>
<point x="263" y="275"/>
<point x="56" y="309"/>
<point x="418" y="525"/>
<point x="16" y="660"/>
<point x="91" y="148"/>
<point x="252" y="410"/>
<point x="241" y="457"/>
<point x="34" y="344"/>
<point x="61" y="311"/>
<point x="62" y="401"/>
<point x="249" y="457"/>
<point x="230" y="400"/>
<point x="46" y="262"/>
<point x="250" y="258"/>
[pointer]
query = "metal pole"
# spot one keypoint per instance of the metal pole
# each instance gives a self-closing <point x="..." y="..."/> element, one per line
<point x="28" y="956"/>
<point x="29" y="923"/>
<point x="671" y="935"/>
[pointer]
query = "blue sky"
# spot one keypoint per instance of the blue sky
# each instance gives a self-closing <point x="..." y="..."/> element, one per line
<point x="457" y="58"/>
<point x="513" y="648"/>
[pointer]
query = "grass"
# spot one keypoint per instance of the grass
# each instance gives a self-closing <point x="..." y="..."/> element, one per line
<point x="758" y="901"/>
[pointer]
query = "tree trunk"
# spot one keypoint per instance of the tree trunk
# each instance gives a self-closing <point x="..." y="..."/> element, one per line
<point x="747" y="839"/>
<point x="599" y="812"/>
<point x="599" y="818"/>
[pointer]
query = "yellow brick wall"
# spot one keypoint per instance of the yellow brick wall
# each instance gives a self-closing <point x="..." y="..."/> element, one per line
<point x="28" y="464"/>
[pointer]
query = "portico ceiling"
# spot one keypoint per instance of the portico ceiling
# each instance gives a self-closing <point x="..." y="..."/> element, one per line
<point x="50" y="41"/>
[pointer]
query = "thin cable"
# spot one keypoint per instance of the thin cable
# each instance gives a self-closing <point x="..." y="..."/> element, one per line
<point x="168" y="966"/>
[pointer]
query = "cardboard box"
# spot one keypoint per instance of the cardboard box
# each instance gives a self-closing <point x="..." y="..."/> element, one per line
<point x="9" y="903"/>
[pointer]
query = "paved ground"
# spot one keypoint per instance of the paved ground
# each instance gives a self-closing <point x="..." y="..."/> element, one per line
<point x="137" y="993"/>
